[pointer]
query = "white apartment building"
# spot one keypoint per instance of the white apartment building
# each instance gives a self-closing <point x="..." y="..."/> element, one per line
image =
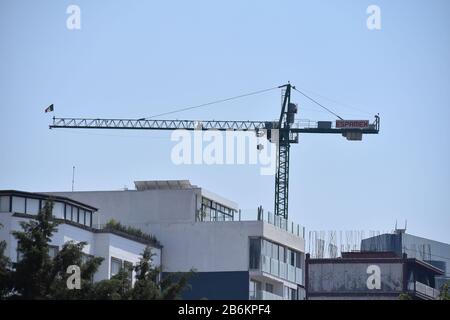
<point x="233" y="259"/>
<point x="76" y="224"/>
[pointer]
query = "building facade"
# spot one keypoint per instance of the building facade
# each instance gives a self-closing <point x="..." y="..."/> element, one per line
<point x="75" y="219"/>
<point x="433" y="252"/>
<point x="370" y="276"/>
<point x="233" y="259"/>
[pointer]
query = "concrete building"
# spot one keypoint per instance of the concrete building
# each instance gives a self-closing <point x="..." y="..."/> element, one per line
<point x="370" y="276"/>
<point x="76" y="224"/>
<point x="433" y="252"/>
<point x="233" y="259"/>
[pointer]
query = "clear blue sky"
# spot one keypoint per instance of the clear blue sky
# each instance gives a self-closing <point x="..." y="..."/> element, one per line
<point x="138" y="58"/>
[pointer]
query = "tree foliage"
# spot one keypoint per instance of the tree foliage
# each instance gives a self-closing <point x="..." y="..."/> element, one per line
<point x="444" y="292"/>
<point x="5" y="273"/>
<point x="36" y="275"/>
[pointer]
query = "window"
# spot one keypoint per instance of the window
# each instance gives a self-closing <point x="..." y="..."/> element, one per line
<point x="254" y="288"/>
<point x="4" y="203"/>
<point x="298" y="260"/>
<point x="116" y="265"/>
<point x="18" y="205"/>
<point x="267" y="248"/>
<point x="274" y="251"/>
<point x="82" y="217"/>
<point x="58" y="210"/>
<point x="74" y="214"/>
<point x="19" y="253"/>
<point x="282" y="254"/>
<point x="88" y="218"/>
<point x="255" y="253"/>
<point x="53" y="251"/>
<point x="32" y="206"/>
<point x="291" y="257"/>
<point x="292" y="294"/>
<point x="215" y="212"/>
<point x="269" y="287"/>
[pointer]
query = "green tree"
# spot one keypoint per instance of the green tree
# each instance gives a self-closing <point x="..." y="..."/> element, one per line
<point x="147" y="285"/>
<point x="5" y="271"/>
<point x="32" y="275"/>
<point x="72" y="254"/>
<point x="116" y="288"/>
<point x="36" y="274"/>
<point x="444" y="292"/>
<point x="404" y="296"/>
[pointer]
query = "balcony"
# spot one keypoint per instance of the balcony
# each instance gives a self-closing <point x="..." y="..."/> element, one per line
<point x="264" y="295"/>
<point x="281" y="270"/>
<point x="422" y="290"/>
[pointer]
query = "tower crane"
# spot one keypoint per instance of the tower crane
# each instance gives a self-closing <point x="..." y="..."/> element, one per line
<point x="283" y="132"/>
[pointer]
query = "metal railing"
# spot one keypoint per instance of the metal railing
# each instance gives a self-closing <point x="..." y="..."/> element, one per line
<point x="280" y="222"/>
<point x="281" y="269"/>
<point x="264" y="295"/>
<point x="422" y="288"/>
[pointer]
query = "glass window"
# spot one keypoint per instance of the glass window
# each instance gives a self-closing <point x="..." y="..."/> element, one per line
<point x="282" y="254"/>
<point x="269" y="287"/>
<point x="18" y="205"/>
<point x="88" y="218"/>
<point x="298" y="260"/>
<point x="19" y="254"/>
<point x="275" y="251"/>
<point x="116" y="265"/>
<point x="53" y="251"/>
<point x="74" y="214"/>
<point x="32" y="206"/>
<point x="254" y="288"/>
<point x="255" y="252"/>
<point x="268" y="248"/>
<point x="4" y="203"/>
<point x="292" y="294"/>
<point x="58" y="210"/>
<point x="82" y="219"/>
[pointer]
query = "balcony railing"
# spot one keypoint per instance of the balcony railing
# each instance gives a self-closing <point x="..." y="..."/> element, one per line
<point x="422" y="288"/>
<point x="264" y="295"/>
<point x="281" y="269"/>
<point x="269" y="217"/>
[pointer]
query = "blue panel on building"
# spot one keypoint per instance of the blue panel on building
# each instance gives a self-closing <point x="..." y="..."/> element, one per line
<point x="233" y="285"/>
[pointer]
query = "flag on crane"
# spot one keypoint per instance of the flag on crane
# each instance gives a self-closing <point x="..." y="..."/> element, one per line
<point x="49" y="108"/>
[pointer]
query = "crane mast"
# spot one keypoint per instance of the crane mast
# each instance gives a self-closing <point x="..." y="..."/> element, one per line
<point x="283" y="133"/>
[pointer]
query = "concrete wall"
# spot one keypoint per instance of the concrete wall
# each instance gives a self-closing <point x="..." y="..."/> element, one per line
<point x="214" y="246"/>
<point x="352" y="277"/>
<point x="138" y="208"/>
<point x="433" y="252"/>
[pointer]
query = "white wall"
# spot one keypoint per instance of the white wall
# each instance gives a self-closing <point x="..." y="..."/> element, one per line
<point x="136" y="208"/>
<point x="214" y="246"/>
<point x="104" y="245"/>
<point x="110" y="245"/>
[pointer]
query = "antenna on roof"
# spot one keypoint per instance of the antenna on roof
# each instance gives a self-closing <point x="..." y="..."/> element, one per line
<point x="73" y="177"/>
